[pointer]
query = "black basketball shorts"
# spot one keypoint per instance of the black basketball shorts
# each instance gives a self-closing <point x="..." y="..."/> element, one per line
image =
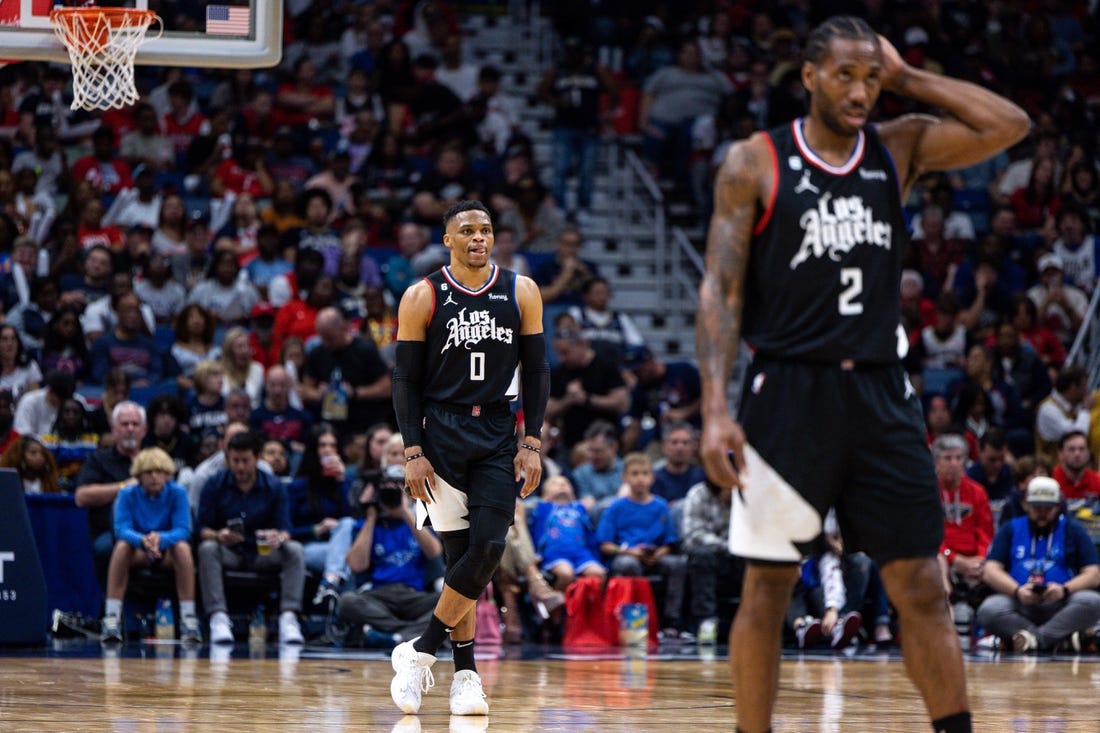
<point x="853" y="439"/>
<point x="473" y="460"/>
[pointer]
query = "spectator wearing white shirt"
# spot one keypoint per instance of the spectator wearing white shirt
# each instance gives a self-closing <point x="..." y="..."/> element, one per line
<point x="100" y="316"/>
<point x="36" y="411"/>
<point x="1065" y="411"/>
<point x="1078" y="249"/>
<point x="459" y="77"/>
<point x="137" y="206"/>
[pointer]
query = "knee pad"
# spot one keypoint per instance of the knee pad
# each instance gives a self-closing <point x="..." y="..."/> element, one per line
<point x="470" y="576"/>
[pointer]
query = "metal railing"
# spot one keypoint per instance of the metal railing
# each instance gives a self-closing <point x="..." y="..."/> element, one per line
<point x="1085" y="351"/>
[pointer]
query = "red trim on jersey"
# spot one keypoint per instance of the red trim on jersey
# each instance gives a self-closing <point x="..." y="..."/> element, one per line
<point x="807" y="152"/>
<point x="461" y="288"/>
<point x="431" y="289"/>
<point x="767" y="217"/>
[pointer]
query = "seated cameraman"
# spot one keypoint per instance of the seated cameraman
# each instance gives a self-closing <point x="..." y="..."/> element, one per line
<point x="390" y="553"/>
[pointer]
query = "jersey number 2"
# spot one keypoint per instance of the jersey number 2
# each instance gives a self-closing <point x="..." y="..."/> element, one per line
<point x="477" y="366"/>
<point x="851" y="278"/>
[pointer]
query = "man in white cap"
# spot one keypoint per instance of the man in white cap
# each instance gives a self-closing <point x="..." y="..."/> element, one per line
<point x="1044" y="569"/>
<point x="1061" y="306"/>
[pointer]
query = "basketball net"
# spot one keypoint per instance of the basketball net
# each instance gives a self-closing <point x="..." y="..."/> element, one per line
<point x="102" y="44"/>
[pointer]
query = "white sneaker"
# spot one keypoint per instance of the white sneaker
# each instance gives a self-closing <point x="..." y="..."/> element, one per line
<point x="708" y="631"/>
<point x="289" y="630"/>
<point x="467" y="696"/>
<point x="221" y="629"/>
<point x="1024" y="641"/>
<point x="412" y="676"/>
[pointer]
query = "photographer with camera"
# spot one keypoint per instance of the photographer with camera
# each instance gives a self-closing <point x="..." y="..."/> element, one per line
<point x="1045" y="570"/>
<point x="390" y="555"/>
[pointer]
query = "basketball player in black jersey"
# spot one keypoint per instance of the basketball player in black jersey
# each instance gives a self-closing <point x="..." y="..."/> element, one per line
<point x="804" y="261"/>
<point x="462" y="333"/>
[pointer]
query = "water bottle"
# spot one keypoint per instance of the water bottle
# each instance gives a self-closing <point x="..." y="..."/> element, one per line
<point x="166" y="622"/>
<point x="334" y="403"/>
<point x="257" y="628"/>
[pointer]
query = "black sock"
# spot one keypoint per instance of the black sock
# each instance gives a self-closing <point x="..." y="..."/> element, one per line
<point x="432" y="638"/>
<point x="957" y="723"/>
<point x="464" y="655"/>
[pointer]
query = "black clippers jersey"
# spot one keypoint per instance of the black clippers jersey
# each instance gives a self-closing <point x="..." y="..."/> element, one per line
<point x="473" y="340"/>
<point x="823" y="281"/>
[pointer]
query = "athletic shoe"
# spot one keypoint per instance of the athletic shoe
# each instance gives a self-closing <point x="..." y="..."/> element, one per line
<point x="376" y="639"/>
<point x="221" y="629"/>
<point x="289" y="630"/>
<point x="1071" y="643"/>
<point x="190" y="631"/>
<point x="1024" y="641"/>
<point x="846" y="630"/>
<point x="412" y="676"/>
<point x="708" y="631"/>
<point x="111" y="630"/>
<point x="326" y="595"/>
<point x="467" y="696"/>
<point x="809" y="634"/>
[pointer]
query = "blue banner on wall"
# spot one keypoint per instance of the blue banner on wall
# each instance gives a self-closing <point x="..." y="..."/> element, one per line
<point x="23" y="610"/>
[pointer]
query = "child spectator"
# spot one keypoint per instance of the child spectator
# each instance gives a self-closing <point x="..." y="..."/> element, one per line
<point x="636" y="531"/>
<point x="563" y="535"/>
<point x="205" y="402"/>
<point x="830" y="590"/>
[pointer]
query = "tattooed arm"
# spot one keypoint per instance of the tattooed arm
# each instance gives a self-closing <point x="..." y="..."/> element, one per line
<point x="743" y="177"/>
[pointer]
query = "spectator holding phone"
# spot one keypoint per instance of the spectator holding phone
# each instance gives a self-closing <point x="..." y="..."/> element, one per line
<point x="1045" y="570"/>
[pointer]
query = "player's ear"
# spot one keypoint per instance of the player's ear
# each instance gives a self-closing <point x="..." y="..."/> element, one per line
<point x="808" y="71"/>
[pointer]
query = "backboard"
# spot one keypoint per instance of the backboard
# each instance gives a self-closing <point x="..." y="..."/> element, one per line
<point x="221" y="33"/>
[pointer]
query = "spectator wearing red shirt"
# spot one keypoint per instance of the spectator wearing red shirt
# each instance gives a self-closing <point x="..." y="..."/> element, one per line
<point x="182" y="123"/>
<point x="262" y="334"/>
<point x="967" y="518"/>
<point x="1072" y="473"/>
<point x="260" y="118"/>
<point x="299" y="317"/>
<point x="92" y="231"/>
<point x="306" y="97"/>
<point x="103" y="168"/>
<point x="244" y="172"/>
<point x="1037" y="204"/>
<point x="917" y="311"/>
<point x="1025" y="316"/>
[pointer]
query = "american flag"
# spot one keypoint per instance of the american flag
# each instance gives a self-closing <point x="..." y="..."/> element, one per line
<point x="223" y="20"/>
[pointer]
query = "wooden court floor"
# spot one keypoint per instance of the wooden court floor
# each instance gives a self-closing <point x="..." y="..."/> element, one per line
<point x="163" y="689"/>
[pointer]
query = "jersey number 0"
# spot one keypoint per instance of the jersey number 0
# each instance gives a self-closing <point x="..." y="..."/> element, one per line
<point x="477" y="366"/>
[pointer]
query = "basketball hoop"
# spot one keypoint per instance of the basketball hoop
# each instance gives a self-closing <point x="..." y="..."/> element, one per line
<point x="102" y="43"/>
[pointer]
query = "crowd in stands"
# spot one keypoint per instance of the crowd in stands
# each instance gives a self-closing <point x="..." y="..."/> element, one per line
<point x="213" y="274"/>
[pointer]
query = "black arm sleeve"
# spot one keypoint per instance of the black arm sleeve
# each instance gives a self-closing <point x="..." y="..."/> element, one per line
<point x="534" y="381"/>
<point x="408" y="402"/>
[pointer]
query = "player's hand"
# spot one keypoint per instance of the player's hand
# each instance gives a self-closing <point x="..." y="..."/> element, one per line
<point x="420" y="479"/>
<point x="528" y="466"/>
<point x="894" y="67"/>
<point x="722" y="438"/>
